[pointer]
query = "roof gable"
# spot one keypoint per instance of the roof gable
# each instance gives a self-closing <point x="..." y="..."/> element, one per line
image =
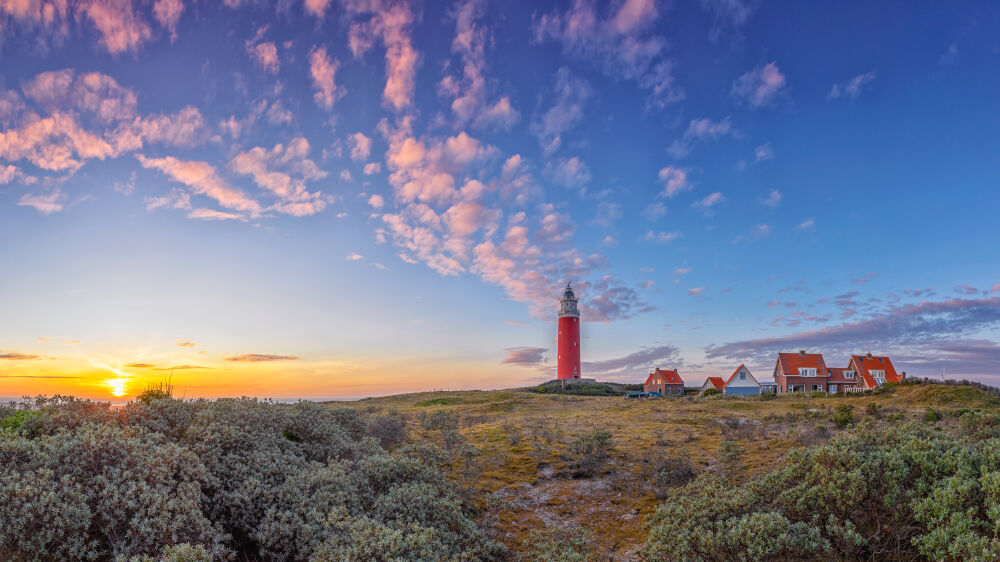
<point x="863" y="364"/>
<point x="737" y="371"/>
<point x="670" y="377"/>
<point x="791" y="362"/>
<point x="717" y="382"/>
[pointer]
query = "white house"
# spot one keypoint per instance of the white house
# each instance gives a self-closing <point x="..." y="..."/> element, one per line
<point x="742" y="383"/>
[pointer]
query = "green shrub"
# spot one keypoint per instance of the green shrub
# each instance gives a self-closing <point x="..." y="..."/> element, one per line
<point x="711" y="392"/>
<point x="874" y="410"/>
<point x="589" y="452"/>
<point x="16" y="419"/>
<point x="932" y="416"/>
<point x="844" y="416"/>
<point x="559" y="544"/>
<point x="175" y="480"/>
<point x="898" y="493"/>
<point x="731" y="458"/>
<point x="449" y="401"/>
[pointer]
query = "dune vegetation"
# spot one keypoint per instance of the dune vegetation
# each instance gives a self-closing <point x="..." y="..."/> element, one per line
<point x="910" y="472"/>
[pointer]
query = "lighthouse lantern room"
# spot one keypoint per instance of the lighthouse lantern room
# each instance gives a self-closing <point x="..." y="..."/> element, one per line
<point x="569" y="336"/>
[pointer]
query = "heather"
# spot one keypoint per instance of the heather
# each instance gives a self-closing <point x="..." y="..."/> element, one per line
<point x="229" y="479"/>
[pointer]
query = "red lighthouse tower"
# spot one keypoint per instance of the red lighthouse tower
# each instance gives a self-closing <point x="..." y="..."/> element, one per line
<point x="569" y="336"/>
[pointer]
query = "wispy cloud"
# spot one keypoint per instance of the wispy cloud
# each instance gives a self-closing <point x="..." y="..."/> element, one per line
<point x="700" y="131"/>
<point x="674" y="180"/>
<point x="14" y="356"/>
<point x="852" y="88"/>
<point x="260" y="357"/>
<point x="571" y="95"/>
<point x="634" y="365"/>
<point x="524" y="356"/>
<point x="761" y="86"/>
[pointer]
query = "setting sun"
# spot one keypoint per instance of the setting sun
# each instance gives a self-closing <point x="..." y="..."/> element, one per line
<point x="118" y="387"/>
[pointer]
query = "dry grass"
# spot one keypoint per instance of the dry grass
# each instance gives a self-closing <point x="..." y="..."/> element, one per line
<point x="523" y="437"/>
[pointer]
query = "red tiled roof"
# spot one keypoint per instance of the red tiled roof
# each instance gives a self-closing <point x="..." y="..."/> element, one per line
<point x="737" y="371"/>
<point x="862" y="364"/>
<point x="671" y="376"/>
<point x="717" y="382"/>
<point x="790" y="363"/>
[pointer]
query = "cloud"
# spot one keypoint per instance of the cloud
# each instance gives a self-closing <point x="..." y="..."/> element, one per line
<point x="852" y="88"/>
<point x="696" y="291"/>
<point x="14" y="356"/>
<point x="806" y="224"/>
<point x="361" y="147"/>
<point x="763" y="152"/>
<point x="622" y="43"/>
<point x="317" y="7"/>
<point x="121" y="28"/>
<point x="468" y="89"/>
<point x="202" y="179"/>
<point x="139" y="365"/>
<point x="661" y="237"/>
<point x="524" y="356"/>
<point x="607" y="213"/>
<point x="772" y="199"/>
<point x="682" y="270"/>
<point x="58" y="341"/>
<point x="284" y="171"/>
<point x="927" y="328"/>
<point x="635" y="365"/>
<point x="569" y="172"/>
<point x="966" y="290"/>
<point x="376" y="201"/>
<point x="700" y="131"/>
<point x="168" y="14"/>
<point x="372" y="168"/>
<point x="761" y="86"/>
<point x="45" y="202"/>
<point x="355" y="257"/>
<point x="707" y="205"/>
<point x="323" y="71"/>
<point x="571" y="95"/>
<point x="730" y="15"/>
<point x="654" y="211"/>
<point x="265" y="55"/>
<point x="185" y="343"/>
<point x="390" y="23"/>
<point x="675" y="180"/>
<point x="260" y="357"/>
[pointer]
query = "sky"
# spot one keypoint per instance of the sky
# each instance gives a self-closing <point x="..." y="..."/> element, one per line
<point x="336" y="199"/>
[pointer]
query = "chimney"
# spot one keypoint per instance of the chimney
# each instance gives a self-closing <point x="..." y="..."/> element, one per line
<point x="869" y="355"/>
<point x="802" y="352"/>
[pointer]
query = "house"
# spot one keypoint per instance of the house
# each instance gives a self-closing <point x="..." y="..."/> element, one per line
<point x="768" y="387"/>
<point x="841" y="380"/>
<point x="664" y="382"/>
<point x="872" y="371"/>
<point x="713" y="383"/>
<point x="801" y="372"/>
<point x="742" y="383"/>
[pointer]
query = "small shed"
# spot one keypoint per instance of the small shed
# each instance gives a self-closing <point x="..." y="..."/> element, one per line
<point x="742" y="383"/>
<point x="664" y="382"/>
<point x="713" y="383"/>
<point x="768" y="387"/>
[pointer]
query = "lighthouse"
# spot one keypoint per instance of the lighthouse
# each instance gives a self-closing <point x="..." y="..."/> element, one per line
<point x="569" y="336"/>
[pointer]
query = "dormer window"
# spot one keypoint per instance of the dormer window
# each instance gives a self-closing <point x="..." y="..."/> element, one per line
<point x="848" y="374"/>
<point x="807" y="371"/>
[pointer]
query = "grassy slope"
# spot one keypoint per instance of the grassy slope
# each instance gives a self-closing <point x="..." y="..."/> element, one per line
<point x="614" y="506"/>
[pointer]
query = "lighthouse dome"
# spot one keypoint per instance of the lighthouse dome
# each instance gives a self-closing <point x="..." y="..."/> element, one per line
<point x="568" y="293"/>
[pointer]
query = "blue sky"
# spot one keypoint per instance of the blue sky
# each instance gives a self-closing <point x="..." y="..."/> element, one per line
<point x="332" y="199"/>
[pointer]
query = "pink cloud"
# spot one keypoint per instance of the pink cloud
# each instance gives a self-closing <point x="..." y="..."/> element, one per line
<point x="121" y="28"/>
<point x="761" y="86"/>
<point x="361" y="147"/>
<point x="45" y="203"/>
<point x="203" y="180"/>
<point x="389" y="22"/>
<point x="324" y="72"/>
<point x="468" y="90"/>
<point x="265" y="55"/>
<point x="675" y="180"/>
<point x="168" y="13"/>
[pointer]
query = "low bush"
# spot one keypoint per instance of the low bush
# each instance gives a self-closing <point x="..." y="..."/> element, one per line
<point x="844" y="416"/>
<point x="589" y="452"/>
<point x="171" y="480"/>
<point x="891" y="493"/>
<point x="559" y="544"/>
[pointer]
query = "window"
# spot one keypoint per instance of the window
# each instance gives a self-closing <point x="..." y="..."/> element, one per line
<point x="743" y="376"/>
<point x="807" y="371"/>
<point x="848" y="374"/>
<point x="817" y="387"/>
<point x="878" y="375"/>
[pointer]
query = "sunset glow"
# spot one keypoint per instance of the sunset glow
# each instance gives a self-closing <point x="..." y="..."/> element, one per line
<point x="345" y="199"/>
